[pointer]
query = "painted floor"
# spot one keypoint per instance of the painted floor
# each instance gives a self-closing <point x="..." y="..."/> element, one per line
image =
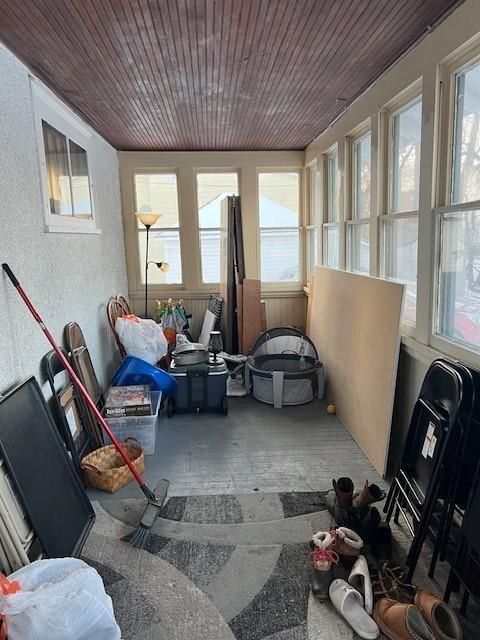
<point x="255" y="447"/>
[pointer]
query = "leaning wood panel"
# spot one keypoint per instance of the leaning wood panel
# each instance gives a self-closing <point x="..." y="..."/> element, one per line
<point x="355" y="325"/>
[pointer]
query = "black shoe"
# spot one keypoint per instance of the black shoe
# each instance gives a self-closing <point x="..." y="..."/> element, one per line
<point x="382" y="543"/>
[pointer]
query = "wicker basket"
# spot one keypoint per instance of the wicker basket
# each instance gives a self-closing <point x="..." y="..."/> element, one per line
<point x="105" y="468"/>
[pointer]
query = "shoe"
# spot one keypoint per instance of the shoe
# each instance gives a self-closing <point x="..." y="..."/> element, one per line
<point x="441" y="618"/>
<point x="340" y="498"/>
<point x="347" y="543"/>
<point x="323" y="557"/>
<point x="382" y="543"/>
<point x="388" y="582"/>
<point x="349" y="603"/>
<point x="359" y="578"/>
<point x="368" y="495"/>
<point x="400" y="621"/>
<point x="365" y="521"/>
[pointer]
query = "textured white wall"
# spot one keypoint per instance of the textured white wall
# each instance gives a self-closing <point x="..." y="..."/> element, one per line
<point x="68" y="276"/>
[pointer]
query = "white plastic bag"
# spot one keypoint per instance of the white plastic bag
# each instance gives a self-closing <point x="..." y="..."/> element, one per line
<point x="143" y="339"/>
<point x="59" y="599"/>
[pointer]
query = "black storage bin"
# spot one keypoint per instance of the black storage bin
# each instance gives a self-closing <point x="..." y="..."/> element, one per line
<point x="200" y="387"/>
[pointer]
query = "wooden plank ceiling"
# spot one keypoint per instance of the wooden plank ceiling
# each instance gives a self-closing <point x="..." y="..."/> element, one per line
<point x="212" y="74"/>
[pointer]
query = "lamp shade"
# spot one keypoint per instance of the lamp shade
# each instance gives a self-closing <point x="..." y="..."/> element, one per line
<point x="148" y="218"/>
<point x="165" y="267"/>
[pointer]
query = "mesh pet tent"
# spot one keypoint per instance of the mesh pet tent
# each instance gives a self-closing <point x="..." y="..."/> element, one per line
<point x="284" y="368"/>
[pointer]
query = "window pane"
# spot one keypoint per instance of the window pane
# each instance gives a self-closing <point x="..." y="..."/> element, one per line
<point x="466" y="152"/>
<point x="400" y="259"/>
<point x="362" y="171"/>
<point x="313" y="183"/>
<point x="212" y="189"/>
<point x="157" y="192"/>
<point x="210" y="249"/>
<point x="406" y="132"/>
<point x="359" y="248"/>
<point x="279" y="249"/>
<point x="279" y="199"/>
<point x="459" y="278"/>
<point x="164" y="247"/>
<point x="333" y="188"/>
<point x="332" y="239"/>
<point x="56" y="157"/>
<point x="82" y="205"/>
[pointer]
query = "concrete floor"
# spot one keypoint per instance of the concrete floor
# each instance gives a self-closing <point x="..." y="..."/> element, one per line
<point x="255" y="447"/>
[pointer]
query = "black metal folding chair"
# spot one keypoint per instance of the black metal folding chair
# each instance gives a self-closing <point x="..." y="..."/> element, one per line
<point x="465" y="565"/>
<point x="71" y="417"/>
<point x="428" y="475"/>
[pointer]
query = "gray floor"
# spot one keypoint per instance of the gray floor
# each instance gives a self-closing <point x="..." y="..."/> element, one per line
<point x="255" y="447"/>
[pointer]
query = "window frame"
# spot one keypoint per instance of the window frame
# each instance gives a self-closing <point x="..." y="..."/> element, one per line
<point x="47" y="107"/>
<point x="446" y="126"/>
<point x="196" y="173"/>
<point x="400" y="103"/>
<point x="327" y="223"/>
<point x="353" y="222"/>
<point x="292" y="286"/>
<point x="172" y="286"/>
<point x="313" y="219"/>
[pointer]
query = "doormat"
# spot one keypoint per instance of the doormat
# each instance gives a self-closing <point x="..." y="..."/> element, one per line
<point x="216" y="567"/>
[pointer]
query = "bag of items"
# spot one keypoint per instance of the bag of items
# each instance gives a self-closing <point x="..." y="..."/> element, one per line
<point x="58" y="599"/>
<point x="141" y="338"/>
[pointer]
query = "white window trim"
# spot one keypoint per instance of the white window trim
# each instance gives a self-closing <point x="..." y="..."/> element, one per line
<point x="168" y="287"/>
<point x="293" y="286"/>
<point x="313" y="218"/>
<point x="46" y="106"/>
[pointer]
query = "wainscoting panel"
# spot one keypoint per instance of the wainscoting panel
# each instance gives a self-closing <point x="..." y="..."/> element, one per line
<point x="281" y="309"/>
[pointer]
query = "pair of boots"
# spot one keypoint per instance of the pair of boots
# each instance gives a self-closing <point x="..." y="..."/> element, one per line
<point x="353" y="509"/>
<point x="328" y="549"/>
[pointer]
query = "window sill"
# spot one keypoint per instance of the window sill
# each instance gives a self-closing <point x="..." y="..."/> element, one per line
<point x="72" y="228"/>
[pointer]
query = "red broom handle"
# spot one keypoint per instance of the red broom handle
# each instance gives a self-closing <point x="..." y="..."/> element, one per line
<point x="73" y="376"/>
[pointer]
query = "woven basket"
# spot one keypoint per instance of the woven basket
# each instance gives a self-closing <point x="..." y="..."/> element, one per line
<point x="105" y="468"/>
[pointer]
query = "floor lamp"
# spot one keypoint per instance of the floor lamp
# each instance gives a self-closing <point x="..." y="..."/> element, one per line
<point x="149" y="219"/>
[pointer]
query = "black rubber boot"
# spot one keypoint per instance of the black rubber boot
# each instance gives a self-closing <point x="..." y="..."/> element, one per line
<point x="321" y="581"/>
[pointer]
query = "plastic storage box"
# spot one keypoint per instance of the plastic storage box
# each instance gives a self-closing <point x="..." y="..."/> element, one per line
<point x="142" y="428"/>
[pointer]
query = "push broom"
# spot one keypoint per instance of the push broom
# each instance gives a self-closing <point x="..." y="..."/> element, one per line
<point x="155" y="498"/>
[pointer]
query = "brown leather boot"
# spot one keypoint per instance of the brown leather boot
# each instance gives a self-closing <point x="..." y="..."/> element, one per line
<point x="401" y="621"/>
<point x="368" y="495"/>
<point x="440" y="617"/>
<point x="348" y="544"/>
<point x="339" y="499"/>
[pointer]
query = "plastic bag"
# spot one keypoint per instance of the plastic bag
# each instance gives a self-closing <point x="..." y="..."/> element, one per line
<point x="58" y="599"/>
<point x="143" y="339"/>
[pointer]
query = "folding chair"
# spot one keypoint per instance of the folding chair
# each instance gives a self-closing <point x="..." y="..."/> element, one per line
<point x="116" y="309"/>
<point x="70" y="412"/>
<point x="83" y="367"/>
<point x="465" y="567"/>
<point x="429" y="469"/>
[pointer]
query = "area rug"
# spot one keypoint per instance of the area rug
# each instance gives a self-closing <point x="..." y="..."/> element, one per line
<point x="224" y="567"/>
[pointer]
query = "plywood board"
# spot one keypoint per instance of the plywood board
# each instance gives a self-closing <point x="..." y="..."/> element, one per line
<point x="355" y="325"/>
<point x="252" y="314"/>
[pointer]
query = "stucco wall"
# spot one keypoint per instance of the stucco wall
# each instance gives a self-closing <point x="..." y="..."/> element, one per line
<point x="68" y="276"/>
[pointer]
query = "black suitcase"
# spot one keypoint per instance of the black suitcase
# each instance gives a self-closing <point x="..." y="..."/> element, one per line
<point x="200" y="387"/>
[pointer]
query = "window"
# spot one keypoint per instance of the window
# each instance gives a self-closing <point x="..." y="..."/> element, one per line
<point x="65" y="152"/>
<point x="212" y="191"/>
<point x="405" y="132"/>
<point x="313" y="217"/>
<point x="279" y="213"/>
<point x="458" y="309"/>
<point x="358" y="229"/>
<point x="400" y="225"/>
<point x="457" y="316"/>
<point x="157" y="192"/>
<point x="466" y="142"/>
<point x="331" y="231"/>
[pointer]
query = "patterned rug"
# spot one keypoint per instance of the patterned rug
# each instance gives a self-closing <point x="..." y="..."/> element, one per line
<point x="221" y="567"/>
